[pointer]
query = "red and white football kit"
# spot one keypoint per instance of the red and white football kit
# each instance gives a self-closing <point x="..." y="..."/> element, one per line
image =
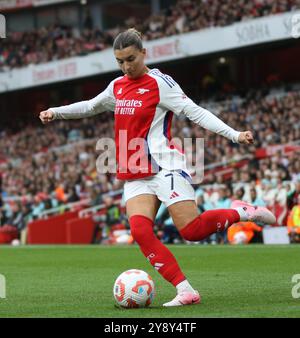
<point x="144" y="108"/>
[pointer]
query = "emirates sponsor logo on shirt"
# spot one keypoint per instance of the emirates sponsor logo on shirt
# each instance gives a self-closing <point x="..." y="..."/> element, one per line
<point x="127" y="107"/>
<point x="129" y="103"/>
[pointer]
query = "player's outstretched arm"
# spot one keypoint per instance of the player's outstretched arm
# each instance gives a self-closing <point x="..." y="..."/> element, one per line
<point x="246" y="137"/>
<point x="211" y="122"/>
<point x="105" y="101"/>
<point x="76" y="110"/>
<point x="46" y="116"/>
<point x="173" y="98"/>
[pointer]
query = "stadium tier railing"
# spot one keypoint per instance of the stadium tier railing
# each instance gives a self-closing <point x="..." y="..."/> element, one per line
<point x="86" y="212"/>
<point x="76" y="205"/>
<point x="65" y="207"/>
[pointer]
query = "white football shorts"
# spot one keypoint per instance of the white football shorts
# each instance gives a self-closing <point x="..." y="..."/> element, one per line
<point x="169" y="186"/>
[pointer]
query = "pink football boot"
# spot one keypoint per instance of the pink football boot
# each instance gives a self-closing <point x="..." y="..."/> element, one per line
<point x="253" y="213"/>
<point x="185" y="298"/>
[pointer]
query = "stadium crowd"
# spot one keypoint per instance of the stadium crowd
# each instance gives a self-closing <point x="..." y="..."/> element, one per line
<point x="60" y="41"/>
<point x="47" y="167"/>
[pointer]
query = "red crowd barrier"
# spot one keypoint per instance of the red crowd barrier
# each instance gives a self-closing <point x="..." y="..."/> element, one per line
<point x="80" y="230"/>
<point x="7" y="234"/>
<point x="51" y="230"/>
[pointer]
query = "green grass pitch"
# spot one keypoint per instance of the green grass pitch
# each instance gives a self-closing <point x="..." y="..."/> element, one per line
<point x="77" y="281"/>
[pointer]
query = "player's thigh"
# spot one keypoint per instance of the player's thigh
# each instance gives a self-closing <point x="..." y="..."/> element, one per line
<point x="145" y="205"/>
<point x="175" y="190"/>
<point x="172" y="187"/>
<point x="183" y="213"/>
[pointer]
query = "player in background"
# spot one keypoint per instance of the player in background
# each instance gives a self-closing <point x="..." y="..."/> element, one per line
<point x="144" y="101"/>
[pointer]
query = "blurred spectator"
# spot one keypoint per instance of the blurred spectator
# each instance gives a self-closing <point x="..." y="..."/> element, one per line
<point x="16" y="219"/>
<point x="72" y="195"/>
<point x="239" y="193"/>
<point x="223" y="201"/>
<point x="37" y="208"/>
<point x="107" y="223"/>
<point x="255" y="200"/>
<point x="204" y="204"/>
<point x="294" y="196"/>
<point x="293" y="222"/>
<point x="113" y="212"/>
<point x="243" y="233"/>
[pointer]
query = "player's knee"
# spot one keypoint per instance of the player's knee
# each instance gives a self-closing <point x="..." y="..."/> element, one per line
<point x="188" y="236"/>
<point x="141" y="228"/>
<point x="194" y="231"/>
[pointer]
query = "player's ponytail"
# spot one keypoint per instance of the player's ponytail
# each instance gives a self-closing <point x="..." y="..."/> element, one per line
<point x="131" y="37"/>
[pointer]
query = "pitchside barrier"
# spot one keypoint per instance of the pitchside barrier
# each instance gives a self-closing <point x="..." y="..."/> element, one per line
<point x="51" y="230"/>
<point x="73" y="227"/>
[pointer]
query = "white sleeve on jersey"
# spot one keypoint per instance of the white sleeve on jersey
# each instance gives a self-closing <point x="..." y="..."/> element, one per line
<point x="173" y="98"/>
<point x="105" y="101"/>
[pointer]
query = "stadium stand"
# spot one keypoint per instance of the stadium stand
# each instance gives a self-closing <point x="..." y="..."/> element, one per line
<point x="49" y="173"/>
<point x="60" y="41"/>
<point x="49" y="168"/>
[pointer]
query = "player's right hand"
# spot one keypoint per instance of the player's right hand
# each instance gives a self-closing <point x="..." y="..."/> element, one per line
<point x="46" y="116"/>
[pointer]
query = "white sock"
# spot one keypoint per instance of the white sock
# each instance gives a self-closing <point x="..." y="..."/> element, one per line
<point x="243" y="214"/>
<point x="184" y="287"/>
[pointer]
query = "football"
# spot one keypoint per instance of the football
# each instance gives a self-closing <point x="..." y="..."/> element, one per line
<point x="134" y="289"/>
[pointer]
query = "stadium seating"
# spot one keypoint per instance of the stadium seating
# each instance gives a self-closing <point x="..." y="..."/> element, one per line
<point x="44" y="169"/>
<point x="60" y="41"/>
<point x="272" y="169"/>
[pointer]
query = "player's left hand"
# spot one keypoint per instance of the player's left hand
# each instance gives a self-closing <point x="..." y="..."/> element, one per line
<point x="246" y="137"/>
